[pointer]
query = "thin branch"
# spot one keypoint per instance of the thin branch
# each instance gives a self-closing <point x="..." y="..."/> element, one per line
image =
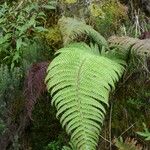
<point x="127" y="130"/>
<point x="106" y="140"/>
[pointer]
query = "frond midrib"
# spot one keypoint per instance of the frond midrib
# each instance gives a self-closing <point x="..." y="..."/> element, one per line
<point x="81" y="116"/>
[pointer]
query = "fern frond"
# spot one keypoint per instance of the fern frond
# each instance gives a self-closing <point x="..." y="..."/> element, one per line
<point x="145" y="133"/>
<point x="80" y="82"/>
<point x="137" y="46"/>
<point x="71" y="28"/>
<point x="128" y="144"/>
<point x="34" y="85"/>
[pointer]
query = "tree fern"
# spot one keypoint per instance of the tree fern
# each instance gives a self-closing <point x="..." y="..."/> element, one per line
<point x="71" y="28"/>
<point x="80" y="81"/>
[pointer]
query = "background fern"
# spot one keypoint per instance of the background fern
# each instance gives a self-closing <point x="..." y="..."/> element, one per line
<point x="72" y="28"/>
<point x="80" y="82"/>
<point x="137" y="46"/>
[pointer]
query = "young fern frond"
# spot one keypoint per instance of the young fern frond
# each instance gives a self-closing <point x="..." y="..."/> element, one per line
<point x="136" y="46"/>
<point x="79" y="81"/>
<point x="71" y="28"/>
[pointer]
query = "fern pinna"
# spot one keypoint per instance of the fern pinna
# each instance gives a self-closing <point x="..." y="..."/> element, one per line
<point x="80" y="81"/>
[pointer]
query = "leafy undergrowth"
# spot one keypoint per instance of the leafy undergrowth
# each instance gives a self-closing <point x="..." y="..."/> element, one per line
<point x="30" y="33"/>
<point x="46" y="130"/>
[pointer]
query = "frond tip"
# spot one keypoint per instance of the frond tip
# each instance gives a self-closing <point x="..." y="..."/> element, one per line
<point x="80" y="82"/>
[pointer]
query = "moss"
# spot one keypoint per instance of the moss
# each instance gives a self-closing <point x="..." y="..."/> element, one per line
<point x="108" y="16"/>
<point x="53" y="37"/>
<point x="70" y="1"/>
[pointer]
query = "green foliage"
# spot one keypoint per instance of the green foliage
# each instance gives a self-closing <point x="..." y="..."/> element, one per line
<point x="46" y="131"/>
<point x="81" y="76"/>
<point x="9" y="83"/>
<point x="136" y="103"/>
<point x="72" y="28"/>
<point x="53" y="37"/>
<point x="36" y="51"/>
<point x="80" y="89"/>
<point x="131" y="102"/>
<point x="145" y="133"/>
<point x="69" y="1"/>
<point x="9" y="86"/>
<point x="53" y="146"/>
<point x="108" y="15"/>
<point x="2" y="127"/>
<point x="18" y="25"/>
<point x="96" y="10"/>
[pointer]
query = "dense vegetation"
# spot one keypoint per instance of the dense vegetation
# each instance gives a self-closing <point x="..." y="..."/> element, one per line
<point x="74" y="75"/>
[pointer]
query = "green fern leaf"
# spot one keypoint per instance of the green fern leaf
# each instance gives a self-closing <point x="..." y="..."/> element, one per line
<point x="80" y="82"/>
<point x="71" y="28"/>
